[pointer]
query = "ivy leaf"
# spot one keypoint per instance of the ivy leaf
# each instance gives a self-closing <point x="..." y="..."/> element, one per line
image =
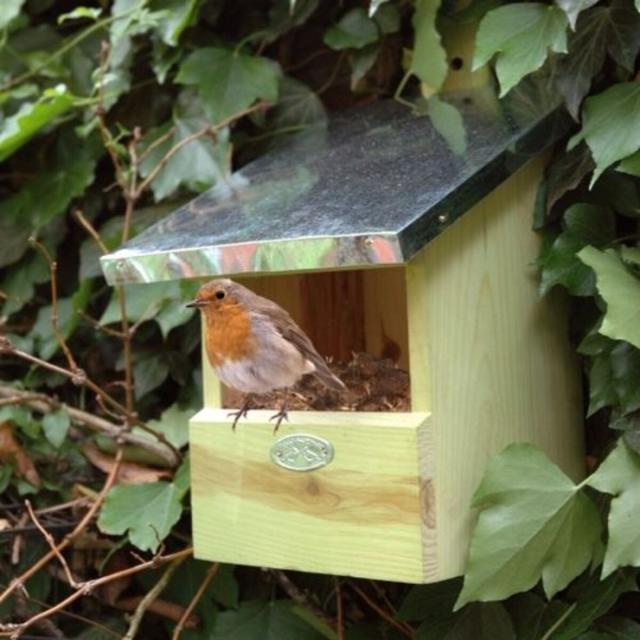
<point x="624" y="33"/>
<point x="199" y="164"/>
<point x="429" y="601"/>
<point x="150" y="370"/>
<point x="354" y="30"/>
<point x="56" y="425"/>
<point x="532" y="616"/>
<point x="573" y="7"/>
<point x="179" y="14"/>
<point x="229" y="81"/>
<point x="620" y="290"/>
<point x="19" y="285"/>
<point x="479" y="621"/>
<point x="619" y="475"/>
<point x="261" y="620"/>
<point x="429" y="60"/>
<point x="80" y="13"/>
<point x="173" y="423"/>
<point x="374" y="5"/>
<point x="31" y="118"/>
<point x="146" y="512"/>
<point x="611" y="125"/>
<point x="566" y="172"/>
<point x="448" y="122"/>
<point x="583" y="224"/>
<point x="9" y="10"/>
<point x="631" y="165"/>
<point x="533" y="522"/>
<point x="521" y="35"/>
<point x="592" y="598"/>
<point x="362" y="61"/>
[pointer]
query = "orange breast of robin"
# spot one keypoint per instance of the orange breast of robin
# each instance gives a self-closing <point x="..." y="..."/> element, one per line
<point x="228" y="335"/>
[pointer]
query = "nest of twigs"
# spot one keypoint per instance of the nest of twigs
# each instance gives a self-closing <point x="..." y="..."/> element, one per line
<point x="373" y="384"/>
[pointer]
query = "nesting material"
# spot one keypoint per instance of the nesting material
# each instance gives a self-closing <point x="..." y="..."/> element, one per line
<point x="373" y="384"/>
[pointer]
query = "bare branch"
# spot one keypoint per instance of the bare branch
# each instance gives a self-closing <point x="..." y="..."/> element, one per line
<point x="211" y="574"/>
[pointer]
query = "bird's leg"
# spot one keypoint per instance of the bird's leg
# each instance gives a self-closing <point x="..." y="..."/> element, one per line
<point x="242" y="412"/>
<point x="282" y="414"/>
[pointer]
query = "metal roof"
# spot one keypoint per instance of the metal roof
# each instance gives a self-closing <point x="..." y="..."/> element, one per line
<point x="371" y="189"/>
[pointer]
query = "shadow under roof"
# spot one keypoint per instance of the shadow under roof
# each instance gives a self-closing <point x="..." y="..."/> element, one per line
<point x="372" y="188"/>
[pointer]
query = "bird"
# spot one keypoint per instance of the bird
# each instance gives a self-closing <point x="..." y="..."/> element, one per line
<point x="255" y="346"/>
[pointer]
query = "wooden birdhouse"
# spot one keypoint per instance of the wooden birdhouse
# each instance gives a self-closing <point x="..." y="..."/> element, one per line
<point x="379" y="235"/>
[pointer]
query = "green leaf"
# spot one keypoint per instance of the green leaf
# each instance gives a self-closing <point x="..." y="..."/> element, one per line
<point x="573" y="7"/>
<point x="631" y="165"/>
<point x="78" y="13"/>
<point x="19" y="285"/>
<point x="478" y="621"/>
<point x="592" y="598"/>
<point x="9" y="9"/>
<point x="620" y="290"/>
<point x="619" y="628"/>
<point x="566" y="172"/>
<point x="448" y="123"/>
<point x="150" y="370"/>
<point x="430" y="600"/>
<point x="532" y="616"/>
<point x="260" y="620"/>
<point x="584" y="224"/>
<point x="56" y="425"/>
<point x="521" y="35"/>
<point x="173" y="423"/>
<point x="374" y="5"/>
<point x="354" y="30"/>
<point x="180" y="14"/>
<point x="611" y="125"/>
<point x="619" y="475"/>
<point x="533" y="522"/>
<point x="362" y="61"/>
<point x="31" y="118"/>
<point x="229" y="81"/>
<point x="146" y="512"/>
<point x="429" y="60"/>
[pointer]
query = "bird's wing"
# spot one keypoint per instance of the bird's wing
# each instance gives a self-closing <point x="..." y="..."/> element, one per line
<point x="290" y="331"/>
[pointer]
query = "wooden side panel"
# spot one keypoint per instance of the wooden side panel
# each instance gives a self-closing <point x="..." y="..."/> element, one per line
<point x="358" y="516"/>
<point x="490" y="359"/>
<point x="385" y="314"/>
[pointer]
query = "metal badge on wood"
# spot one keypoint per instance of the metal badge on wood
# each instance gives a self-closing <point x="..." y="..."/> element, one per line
<point x="302" y="452"/>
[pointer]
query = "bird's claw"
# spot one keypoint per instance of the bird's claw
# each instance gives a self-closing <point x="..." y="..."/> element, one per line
<point x="240" y="413"/>
<point x="281" y="415"/>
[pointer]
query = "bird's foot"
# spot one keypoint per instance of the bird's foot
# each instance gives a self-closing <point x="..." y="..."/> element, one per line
<point x="240" y="413"/>
<point x="279" y="417"/>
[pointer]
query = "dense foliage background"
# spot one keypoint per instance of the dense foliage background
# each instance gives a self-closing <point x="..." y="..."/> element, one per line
<point x="115" y="112"/>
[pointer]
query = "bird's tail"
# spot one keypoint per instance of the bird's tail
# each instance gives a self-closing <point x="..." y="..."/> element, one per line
<point x="330" y="380"/>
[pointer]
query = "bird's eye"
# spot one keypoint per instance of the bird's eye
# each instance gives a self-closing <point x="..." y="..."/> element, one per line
<point x="219" y="295"/>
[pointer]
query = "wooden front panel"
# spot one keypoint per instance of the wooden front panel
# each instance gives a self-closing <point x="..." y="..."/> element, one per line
<point x="358" y="516"/>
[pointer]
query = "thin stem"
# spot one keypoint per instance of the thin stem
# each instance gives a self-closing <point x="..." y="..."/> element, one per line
<point x="565" y="614"/>
<point x="87" y="587"/>
<point x="71" y="44"/>
<point x="211" y="574"/>
<point x="52" y="545"/>
<point x="53" y="271"/>
<point x="149" y="597"/>
<point x="409" y="633"/>
<point x="69" y="538"/>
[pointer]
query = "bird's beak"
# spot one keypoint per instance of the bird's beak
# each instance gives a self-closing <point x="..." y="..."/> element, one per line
<point x="196" y="303"/>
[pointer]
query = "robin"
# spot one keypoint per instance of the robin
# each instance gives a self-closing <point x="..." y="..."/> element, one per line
<point x="255" y="346"/>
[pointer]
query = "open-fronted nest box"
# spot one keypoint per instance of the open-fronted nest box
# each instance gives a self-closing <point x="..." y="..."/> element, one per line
<point x="378" y="238"/>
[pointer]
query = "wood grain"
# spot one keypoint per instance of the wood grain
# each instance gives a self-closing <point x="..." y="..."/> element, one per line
<point x="490" y="359"/>
<point x="358" y="516"/>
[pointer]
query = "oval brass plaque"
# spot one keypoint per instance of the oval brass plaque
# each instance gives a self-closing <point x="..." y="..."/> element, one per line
<point x="302" y="452"/>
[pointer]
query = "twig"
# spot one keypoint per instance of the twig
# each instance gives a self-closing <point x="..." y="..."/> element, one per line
<point x="70" y="537"/>
<point x="211" y="574"/>
<point x="300" y="597"/>
<point x="53" y="271"/>
<point x="208" y="130"/>
<point x="80" y="378"/>
<point x="150" y="596"/>
<point x="42" y="403"/>
<point x="90" y="229"/>
<point x="51" y="542"/>
<point x="90" y="585"/>
<point x="156" y="143"/>
<point x="339" y="612"/>
<point x="407" y="632"/>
